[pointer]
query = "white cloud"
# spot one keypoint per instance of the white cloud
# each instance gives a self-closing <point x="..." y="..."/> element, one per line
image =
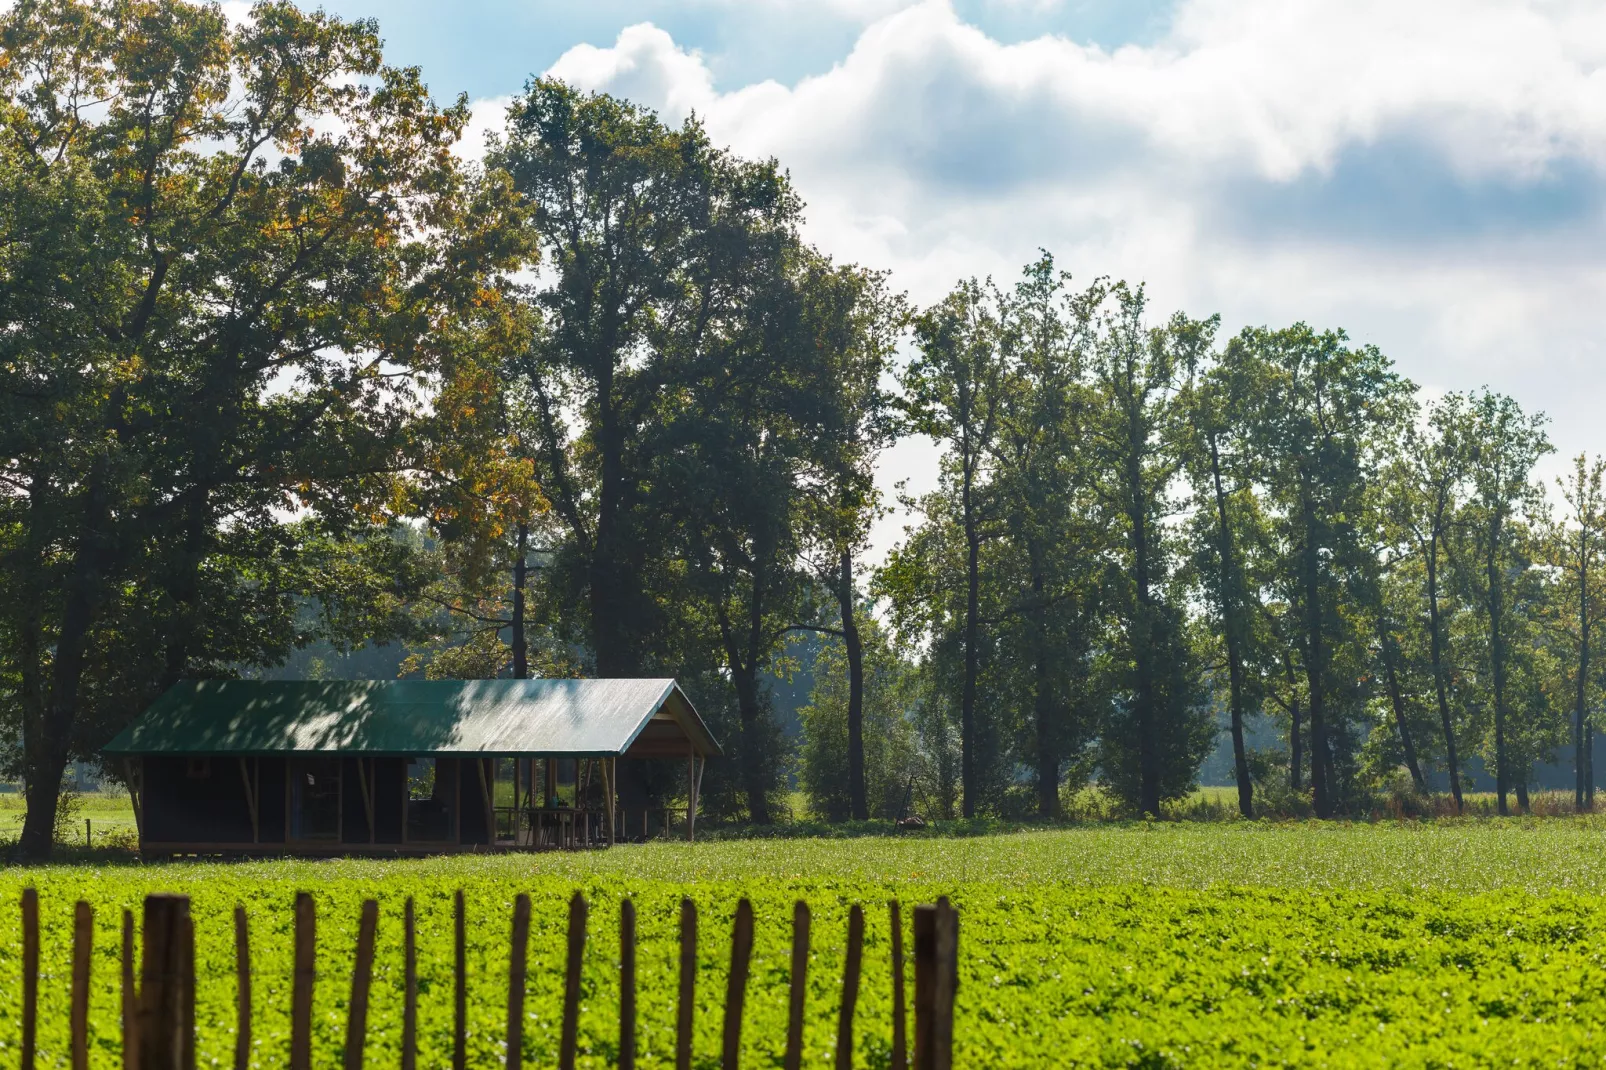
<point x="1426" y="174"/>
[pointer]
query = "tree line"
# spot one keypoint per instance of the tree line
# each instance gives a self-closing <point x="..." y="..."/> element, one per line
<point x="278" y="367"/>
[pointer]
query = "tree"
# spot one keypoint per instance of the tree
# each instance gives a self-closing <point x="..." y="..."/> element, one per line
<point x="1423" y="488"/>
<point x="231" y="245"/>
<point x="1503" y="445"/>
<point x="1222" y="470"/>
<point x="952" y="393"/>
<point x="1576" y="547"/>
<point x="1324" y="414"/>
<point x="1158" y="732"/>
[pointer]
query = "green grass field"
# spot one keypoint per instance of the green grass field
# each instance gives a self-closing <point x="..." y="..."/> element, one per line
<point x="1436" y="944"/>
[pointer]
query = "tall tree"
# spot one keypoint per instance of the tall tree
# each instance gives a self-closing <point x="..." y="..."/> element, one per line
<point x="952" y="393"/>
<point x="1503" y="445"/>
<point x="232" y="244"/>
<point x="1324" y="414"/>
<point x="1577" y="547"/>
<point x="1154" y="740"/>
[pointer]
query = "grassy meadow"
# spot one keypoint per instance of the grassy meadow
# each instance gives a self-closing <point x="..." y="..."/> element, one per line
<point x="1450" y="943"/>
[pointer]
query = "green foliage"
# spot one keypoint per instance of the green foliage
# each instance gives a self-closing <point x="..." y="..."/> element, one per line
<point x="1160" y="943"/>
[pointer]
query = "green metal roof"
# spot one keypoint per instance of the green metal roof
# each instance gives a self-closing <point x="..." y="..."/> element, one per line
<point x="579" y="718"/>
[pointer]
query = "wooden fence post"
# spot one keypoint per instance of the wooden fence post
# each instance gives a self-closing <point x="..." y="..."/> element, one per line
<point x="83" y="936"/>
<point x="130" y="1006"/>
<point x="850" y="988"/>
<point x="516" y="958"/>
<point x="303" y="979"/>
<point x="242" y="990"/>
<point x="569" y="1039"/>
<point x="798" y="986"/>
<point x="736" y="985"/>
<point x="900" y="1014"/>
<point x="409" y="1052"/>
<point x="627" y="985"/>
<point x="936" y="980"/>
<point x="688" y="984"/>
<point x="30" y="975"/>
<point x="162" y="997"/>
<point x="186" y="973"/>
<point x="460" y="985"/>
<point x="362" y="972"/>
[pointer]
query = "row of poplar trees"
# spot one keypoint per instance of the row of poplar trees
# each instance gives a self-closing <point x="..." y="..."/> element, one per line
<point x="279" y="368"/>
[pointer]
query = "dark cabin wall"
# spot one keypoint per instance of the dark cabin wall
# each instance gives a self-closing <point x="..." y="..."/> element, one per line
<point x="270" y="788"/>
<point x="390" y="798"/>
<point x="353" y="811"/>
<point x="470" y="802"/>
<point x="182" y="807"/>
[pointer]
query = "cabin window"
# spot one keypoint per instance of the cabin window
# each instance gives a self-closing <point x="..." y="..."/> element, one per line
<point x="198" y="768"/>
<point x="315" y="799"/>
<point x="431" y="801"/>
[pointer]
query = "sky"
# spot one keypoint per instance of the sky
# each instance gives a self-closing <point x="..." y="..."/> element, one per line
<point x="1427" y="175"/>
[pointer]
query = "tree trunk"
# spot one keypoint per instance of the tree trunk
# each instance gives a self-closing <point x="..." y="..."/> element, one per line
<point x="1048" y="762"/>
<point x="753" y="782"/>
<point x="1497" y="660"/>
<point x="521" y="645"/>
<point x="967" y="700"/>
<point x="1391" y="674"/>
<point x="1580" y="740"/>
<point x="608" y="572"/>
<point x="858" y="796"/>
<point x="1435" y="647"/>
<point x="1315" y="656"/>
<point x="1295" y="755"/>
<point x="1232" y="624"/>
<point x="1142" y="632"/>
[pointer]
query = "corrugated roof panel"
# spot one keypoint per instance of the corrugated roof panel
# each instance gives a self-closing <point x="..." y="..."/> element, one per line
<point x="528" y="717"/>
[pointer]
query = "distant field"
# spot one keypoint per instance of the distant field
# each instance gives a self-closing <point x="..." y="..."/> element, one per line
<point x="1452" y="943"/>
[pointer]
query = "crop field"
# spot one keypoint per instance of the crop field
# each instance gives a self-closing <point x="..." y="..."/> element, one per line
<point x="1439" y="944"/>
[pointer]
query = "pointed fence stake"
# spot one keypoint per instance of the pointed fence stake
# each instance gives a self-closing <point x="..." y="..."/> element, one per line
<point x="936" y="979"/>
<point x="687" y="1005"/>
<point x="186" y="973"/>
<point x="130" y="1007"/>
<point x="409" y="1052"/>
<point x="516" y="958"/>
<point x="900" y="1014"/>
<point x="736" y="985"/>
<point x="799" y="986"/>
<point x="30" y="975"/>
<point x="569" y="1039"/>
<point x="163" y="1001"/>
<point x="850" y="988"/>
<point x="302" y="980"/>
<point x="242" y="990"/>
<point x="627" y="985"/>
<point x="83" y="937"/>
<point x="362" y="972"/>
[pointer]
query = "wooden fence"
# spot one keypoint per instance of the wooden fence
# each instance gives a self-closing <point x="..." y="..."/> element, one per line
<point x="158" y="1016"/>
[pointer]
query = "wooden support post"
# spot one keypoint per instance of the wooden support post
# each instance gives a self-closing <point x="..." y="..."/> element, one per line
<point x="627" y="985"/>
<point x="517" y="956"/>
<point x="162" y="996"/>
<point x="610" y="785"/>
<point x="688" y="984"/>
<point x="409" y="1038"/>
<point x="798" y="984"/>
<point x="850" y="988"/>
<point x="362" y="972"/>
<point x="83" y="937"/>
<point x="485" y="797"/>
<point x="302" y="980"/>
<point x="250" y="800"/>
<point x="30" y="976"/>
<point x="365" y="782"/>
<point x="130" y="1005"/>
<point x="900" y="1014"/>
<point x="242" y="990"/>
<point x="460" y="985"/>
<point x="568" y="1039"/>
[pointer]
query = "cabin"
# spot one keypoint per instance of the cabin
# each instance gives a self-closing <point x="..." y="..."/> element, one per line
<point x="409" y="766"/>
